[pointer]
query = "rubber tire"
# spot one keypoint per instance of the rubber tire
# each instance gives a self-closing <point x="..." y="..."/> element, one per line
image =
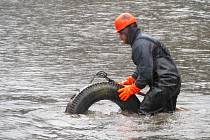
<point x="81" y="102"/>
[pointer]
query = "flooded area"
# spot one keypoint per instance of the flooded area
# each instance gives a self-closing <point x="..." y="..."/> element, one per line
<point x="50" y="49"/>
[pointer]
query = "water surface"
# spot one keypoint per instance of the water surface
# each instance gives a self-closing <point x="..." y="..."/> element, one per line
<point x="50" y="49"/>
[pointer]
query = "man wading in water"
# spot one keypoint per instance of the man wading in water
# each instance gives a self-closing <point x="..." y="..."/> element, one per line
<point x="154" y="67"/>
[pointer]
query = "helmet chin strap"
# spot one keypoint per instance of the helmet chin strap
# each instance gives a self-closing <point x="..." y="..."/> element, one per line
<point x="126" y="32"/>
<point x="131" y="34"/>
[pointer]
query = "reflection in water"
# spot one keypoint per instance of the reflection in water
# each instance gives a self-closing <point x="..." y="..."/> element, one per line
<point x="50" y="49"/>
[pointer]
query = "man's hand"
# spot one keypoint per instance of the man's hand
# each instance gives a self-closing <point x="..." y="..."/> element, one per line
<point x="127" y="91"/>
<point x="129" y="81"/>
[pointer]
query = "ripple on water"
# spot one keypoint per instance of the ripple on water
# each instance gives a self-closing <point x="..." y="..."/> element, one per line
<point x="50" y="49"/>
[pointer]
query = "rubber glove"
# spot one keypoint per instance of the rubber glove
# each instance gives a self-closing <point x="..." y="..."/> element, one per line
<point x="130" y="80"/>
<point x="127" y="91"/>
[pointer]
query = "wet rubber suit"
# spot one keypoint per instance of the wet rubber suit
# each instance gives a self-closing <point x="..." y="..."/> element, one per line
<point x="154" y="67"/>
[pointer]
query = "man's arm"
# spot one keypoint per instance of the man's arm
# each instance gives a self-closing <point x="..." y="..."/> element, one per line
<point x="144" y="57"/>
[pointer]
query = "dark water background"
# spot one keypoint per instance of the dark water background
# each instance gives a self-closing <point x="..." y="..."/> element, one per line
<point x="51" y="48"/>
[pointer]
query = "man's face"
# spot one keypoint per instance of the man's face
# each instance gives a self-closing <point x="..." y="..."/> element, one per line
<point x="124" y="35"/>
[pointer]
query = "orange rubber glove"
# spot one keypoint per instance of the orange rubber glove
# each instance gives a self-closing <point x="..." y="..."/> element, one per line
<point x="130" y="80"/>
<point x="127" y="91"/>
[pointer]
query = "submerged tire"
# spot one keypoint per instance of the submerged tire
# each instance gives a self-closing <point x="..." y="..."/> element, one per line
<point x="101" y="91"/>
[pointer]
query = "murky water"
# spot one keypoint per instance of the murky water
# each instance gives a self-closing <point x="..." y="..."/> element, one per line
<point x="51" y="48"/>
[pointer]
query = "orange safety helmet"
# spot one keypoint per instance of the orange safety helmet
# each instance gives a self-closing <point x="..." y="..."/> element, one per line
<point x="124" y="20"/>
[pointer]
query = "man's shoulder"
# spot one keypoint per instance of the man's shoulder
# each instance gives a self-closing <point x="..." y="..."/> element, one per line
<point x="143" y="38"/>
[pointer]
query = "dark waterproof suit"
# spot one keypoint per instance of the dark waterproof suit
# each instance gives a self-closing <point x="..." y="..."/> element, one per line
<point x="154" y="67"/>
